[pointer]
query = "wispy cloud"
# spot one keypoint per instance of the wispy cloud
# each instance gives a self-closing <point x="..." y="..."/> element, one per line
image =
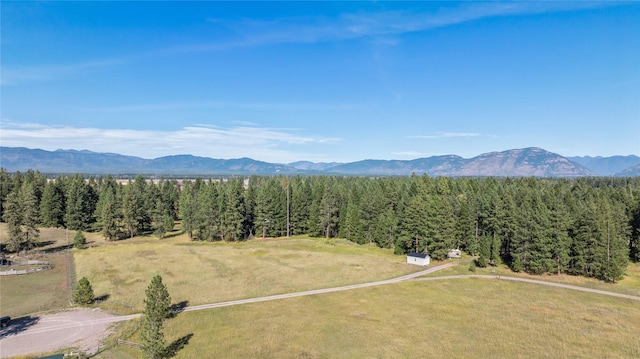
<point x="13" y="75"/>
<point x="312" y="29"/>
<point x="272" y="106"/>
<point x="438" y="135"/>
<point x="268" y="144"/>
<point x="379" y="26"/>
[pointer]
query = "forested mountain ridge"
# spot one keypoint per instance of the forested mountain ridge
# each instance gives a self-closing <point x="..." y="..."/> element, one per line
<point x="607" y="166"/>
<point x="629" y="172"/>
<point x="73" y="161"/>
<point x="526" y="162"/>
<point x="584" y="226"/>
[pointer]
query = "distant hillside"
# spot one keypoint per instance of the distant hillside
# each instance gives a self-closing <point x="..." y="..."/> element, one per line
<point x="629" y="172"/>
<point x="67" y="161"/>
<point x="607" y="166"/>
<point x="313" y="166"/>
<point x="71" y="161"/>
<point x="518" y="162"/>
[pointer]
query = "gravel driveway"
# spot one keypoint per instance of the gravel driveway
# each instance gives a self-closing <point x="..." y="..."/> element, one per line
<point x="82" y="328"/>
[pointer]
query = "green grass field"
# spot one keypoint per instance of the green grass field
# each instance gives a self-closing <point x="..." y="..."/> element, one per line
<point x="457" y="319"/>
<point x="203" y="272"/>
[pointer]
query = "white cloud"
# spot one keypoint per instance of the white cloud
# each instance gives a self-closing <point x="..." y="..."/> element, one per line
<point x="267" y="144"/>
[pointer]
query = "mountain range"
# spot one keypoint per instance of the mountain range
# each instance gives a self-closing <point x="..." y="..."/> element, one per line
<point x="531" y="161"/>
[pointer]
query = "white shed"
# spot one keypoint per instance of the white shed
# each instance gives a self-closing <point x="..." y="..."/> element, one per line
<point x="418" y="259"/>
<point x="454" y="253"/>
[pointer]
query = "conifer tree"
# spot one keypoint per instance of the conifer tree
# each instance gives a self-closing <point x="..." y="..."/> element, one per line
<point x="12" y="215"/>
<point x="108" y="212"/>
<point x="79" y="240"/>
<point x="52" y="205"/>
<point x="157" y="308"/>
<point x="83" y="292"/>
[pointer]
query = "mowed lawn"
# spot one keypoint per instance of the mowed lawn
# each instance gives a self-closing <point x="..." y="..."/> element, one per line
<point x="459" y="318"/>
<point x="204" y="272"/>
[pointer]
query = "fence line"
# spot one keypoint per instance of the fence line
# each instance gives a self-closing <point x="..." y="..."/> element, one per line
<point x="45" y="266"/>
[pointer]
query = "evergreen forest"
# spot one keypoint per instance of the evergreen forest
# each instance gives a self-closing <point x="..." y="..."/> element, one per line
<point x="580" y="226"/>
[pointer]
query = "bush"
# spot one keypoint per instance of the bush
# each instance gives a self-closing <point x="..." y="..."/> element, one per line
<point x="481" y="261"/>
<point x="472" y="267"/>
<point x="83" y="294"/>
<point x="79" y="240"/>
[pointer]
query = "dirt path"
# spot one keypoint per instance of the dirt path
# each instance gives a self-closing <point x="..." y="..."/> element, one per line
<point x="541" y="282"/>
<point x="85" y="328"/>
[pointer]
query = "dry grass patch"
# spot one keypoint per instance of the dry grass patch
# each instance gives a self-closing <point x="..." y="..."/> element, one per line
<point x="42" y="291"/>
<point x="629" y="285"/>
<point x="457" y="319"/>
<point x="202" y="272"/>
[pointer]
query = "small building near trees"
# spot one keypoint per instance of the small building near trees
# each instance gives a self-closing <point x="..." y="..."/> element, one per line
<point x="418" y="259"/>
<point x="454" y="253"/>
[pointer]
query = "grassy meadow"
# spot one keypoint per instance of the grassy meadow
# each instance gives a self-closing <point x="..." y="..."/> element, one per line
<point x="458" y="319"/>
<point x="205" y="272"/>
<point x="46" y="290"/>
<point x="629" y="285"/>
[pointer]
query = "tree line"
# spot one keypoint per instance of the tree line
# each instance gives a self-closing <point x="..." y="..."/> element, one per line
<point x="583" y="226"/>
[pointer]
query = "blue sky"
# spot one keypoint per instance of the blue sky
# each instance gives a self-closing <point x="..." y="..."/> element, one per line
<point x="321" y="81"/>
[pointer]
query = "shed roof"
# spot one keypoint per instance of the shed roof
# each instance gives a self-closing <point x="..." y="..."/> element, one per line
<point x="418" y="255"/>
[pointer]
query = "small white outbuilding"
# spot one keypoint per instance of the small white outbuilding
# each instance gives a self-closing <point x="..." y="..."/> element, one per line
<point x="418" y="259"/>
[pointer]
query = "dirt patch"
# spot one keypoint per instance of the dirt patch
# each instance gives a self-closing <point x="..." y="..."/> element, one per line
<point x="82" y="328"/>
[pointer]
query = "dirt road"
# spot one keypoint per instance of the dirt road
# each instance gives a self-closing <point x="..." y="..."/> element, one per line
<point x="541" y="282"/>
<point x="85" y="328"/>
<point x="82" y="328"/>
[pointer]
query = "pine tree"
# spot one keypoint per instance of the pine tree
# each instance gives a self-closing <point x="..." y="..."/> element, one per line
<point x="83" y="293"/>
<point x="6" y="187"/>
<point x="108" y="212"/>
<point x="52" y="205"/>
<point x="157" y="308"/>
<point x="330" y="211"/>
<point x="300" y="204"/>
<point x="12" y="215"/>
<point x="188" y="208"/>
<point x="80" y="206"/>
<point x="132" y="209"/>
<point x="271" y="210"/>
<point x="30" y="215"/>
<point x="79" y="240"/>
<point x="232" y="211"/>
<point x="413" y="229"/>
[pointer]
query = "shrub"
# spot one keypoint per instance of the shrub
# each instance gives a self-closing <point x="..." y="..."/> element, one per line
<point x="83" y="294"/>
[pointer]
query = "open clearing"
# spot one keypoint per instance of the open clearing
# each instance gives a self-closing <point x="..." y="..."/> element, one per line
<point x="458" y="318"/>
<point x="202" y="272"/>
<point x="488" y="318"/>
<point x="46" y="290"/>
